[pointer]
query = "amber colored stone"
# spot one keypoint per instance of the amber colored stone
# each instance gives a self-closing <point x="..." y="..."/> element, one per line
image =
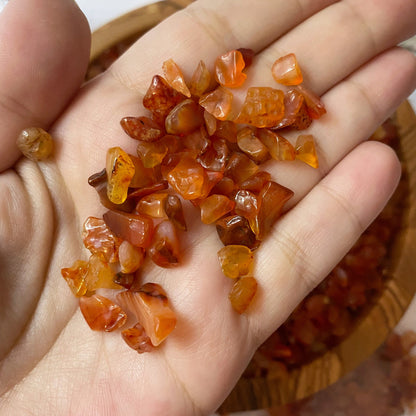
<point x="201" y="79"/>
<point x="137" y="339"/>
<point x="225" y="186"/>
<point x="98" y="178"/>
<point x="141" y="192"/>
<point x="174" y="77"/>
<point x="248" y="56"/>
<point x="151" y="307"/>
<point x="151" y="153"/>
<point x="235" y="260"/>
<point x="214" y="207"/>
<point x="293" y="103"/>
<point x="165" y="248"/>
<point x="279" y="148"/>
<point x="98" y="239"/>
<point x="306" y="151"/>
<point x="99" y="274"/>
<point x="136" y="229"/>
<point x="249" y="144"/>
<point x="248" y="205"/>
<point x="101" y="314"/>
<point x="226" y="130"/>
<point x="240" y="167"/>
<point x="153" y="205"/>
<point x="315" y="106"/>
<point x="216" y="155"/>
<point x="143" y="177"/>
<point x="142" y="128"/>
<point x="184" y="118"/>
<point x="210" y="123"/>
<point x="286" y="70"/>
<point x="303" y="120"/>
<point x="256" y="182"/>
<point x="174" y="211"/>
<point x="125" y="280"/>
<point x="160" y="98"/>
<point x="242" y="293"/>
<point x="198" y="141"/>
<point x="120" y="171"/>
<point x="187" y="178"/>
<point x="235" y="230"/>
<point x="75" y="277"/>
<point x="229" y="69"/>
<point x="35" y="143"/>
<point x="272" y="198"/>
<point x="131" y="257"/>
<point x="263" y="107"/>
<point x="218" y="103"/>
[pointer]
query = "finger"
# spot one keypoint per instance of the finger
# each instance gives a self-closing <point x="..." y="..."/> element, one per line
<point x="44" y="51"/>
<point x="306" y="245"/>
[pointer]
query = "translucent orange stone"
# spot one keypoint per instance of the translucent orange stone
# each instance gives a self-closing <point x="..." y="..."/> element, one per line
<point x="263" y="107"/>
<point x="98" y="239"/>
<point x="201" y="80"/>
<point x="247" y="205"/>
<point x="293" y="102"/>
<point x="315" y="106"/>
<point x="99" y="274"/>
<point x="151" y="307"/>
<point x="306" y="151"/>
<point x="218" y="103"/>
<point x="303" y="120"/>
<point x="225" y="186"/>
<point x="101" y="313"/>
<point x="143" y="177"/>
<point x="142" y="128"/>
<point x="242" y="293"/>
<point x="235" y="260"/>
<point x="137" y="339"/>
<point x="272" y="198"/>
<point x="174" y="77"/>
<point x="216" y="155"/>
<point x="75" y="277"/>
<point x="165" y="249"/>
<point x="240" y="167"/>
<point x="229" y="69"/>
<point x="153" y="205"/>
<point x="174" y="211"/>
<point x="214" y="207"/>
<point x="226" y="130"/>
<point x="151" y="153"/>
<point x="147" y="190"/>
<point x="256" y="182"/>
<point x="120" y="171"/>
<point x="160" y="98"/>
<point x="197" y="141"/>
<point x="210" y="123"/>
<point x="131" y="257"/>
<point x="126" y="280"/>
<point x="249" y="143"/>
<point x="279" y="148"/>
<point x="236" y="230"/>
<point x="35" y="143"/>
<point x="286" y="70"/>
<point x="213" y="178"/>
<point x="184" y="118"/>
<point x="248" y="55"/>
<point x="136" y="229"/>
<point x="187" y="178"/>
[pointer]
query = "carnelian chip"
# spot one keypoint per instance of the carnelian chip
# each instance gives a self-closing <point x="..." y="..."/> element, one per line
<point x="174" y="211"/>
<point x="214" y="207"/>
<point x="279" y="148"/>
<point x="147" y="190"/>
<point x="187" y="178"/>
<point x="248" y="56"/>
<point x="218" y="103"/>
<point x="151" y="307"/>
<point x="165" y="249"/>
<point x="131" y="257"/>
<point x="240" y="167"/>
<point x="216" y="155"/>
<point x="153" y="205"/>
<point x="197" y="141"/>
<point x="143" y="177"/>
<point x="229" y="69"/>
<point x="235" y="229"/>
<point x="75" y="277"/>
<point x="293" y="103"/>
<point x="247" y="205"/>
<point x="263" y="107"/>
<point x="125" y="280"/>
<point x="242" y="293"/>
<point x="136" y="229"/>
<point x="152" y="153"/>
<point x="226" y="130"/>
<point x="174" y="77"/>
<point x="101" y="314"/>
<point x="256" y="182"/>
<point x="120" y="171"/>
<point x="314" y="105"/>
<point x="142" y="128"/>
<point x="137" y="339"/>
<point x="99" y="239"/>
<point x="210" y="123"/>
<point x="306" y="151"/>
<point x="249" y="143"/>
<point x="225" y="186"/>
<point x="235" y="260"/>
<point x="184" y="118"/>
<point x="201" y="79"/>
<point x="286" y="70"/>
<point x="35" y="143"/>
<point x="99" y="274"/>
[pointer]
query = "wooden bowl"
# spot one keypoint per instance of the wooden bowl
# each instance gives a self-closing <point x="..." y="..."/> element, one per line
<point x="260" y="393"/>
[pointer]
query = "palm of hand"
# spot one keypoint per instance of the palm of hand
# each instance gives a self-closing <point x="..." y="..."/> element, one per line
<point x="83" y="372"/>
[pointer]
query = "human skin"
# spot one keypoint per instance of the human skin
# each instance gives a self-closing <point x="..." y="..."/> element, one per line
<point x="50" y="362"/>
